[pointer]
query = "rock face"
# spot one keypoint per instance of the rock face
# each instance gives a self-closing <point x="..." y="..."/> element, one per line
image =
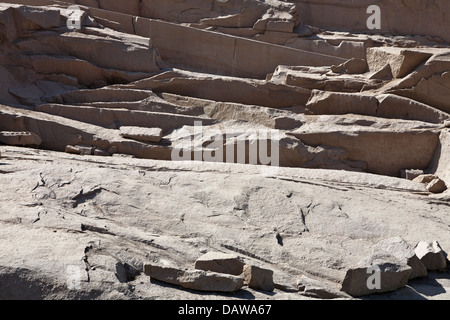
<point x="166" y="132"/>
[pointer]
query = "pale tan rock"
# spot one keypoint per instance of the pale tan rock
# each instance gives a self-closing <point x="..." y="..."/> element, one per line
<point x="194" y="279"/>
<point x="400" y="249"/>
<point x="322" y="102"/>
<point x="425" y="178"/>
<point x="258" y="278"/>
<point x="402" y="61"/>
<point x="352" y="66"/>
<point x="142" y="134"/>
<point x="221" y="263"/>
<point x="392" y="106"/>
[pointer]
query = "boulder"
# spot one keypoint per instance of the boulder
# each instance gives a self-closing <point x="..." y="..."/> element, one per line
<point x="400" y="249"/>
<point x="377" y="273"/>
<point x="258" y="278"/>
<point x="436" y="186"/>
<point x="221" y="263"/>
<point x="194" y="279"/>
<point x="431" y="255"/>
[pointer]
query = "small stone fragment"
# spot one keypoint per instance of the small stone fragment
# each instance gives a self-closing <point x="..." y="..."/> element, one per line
<point x="437" y="186"/>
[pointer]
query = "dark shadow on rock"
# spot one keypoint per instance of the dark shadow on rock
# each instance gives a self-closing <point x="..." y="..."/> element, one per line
<point x="429" y="285"/>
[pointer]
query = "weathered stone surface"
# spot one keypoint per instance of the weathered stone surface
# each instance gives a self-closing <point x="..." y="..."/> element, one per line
<point x="142" y="134"/>
<point x="319" y="289"/>
<point x="322" y="102"/>
<point x="221" y="263"/>
<point x="400" y="249"/>
<point x="352" y="66"/>
<point x="392" y="106"/>
<point x="13" y="138"/>
<point x="377" y="273"/>
<point x="431" y="255"/>
<point x="80" y="227"/>
<point x="258" y="278"/>
<point x="194" y="279"/>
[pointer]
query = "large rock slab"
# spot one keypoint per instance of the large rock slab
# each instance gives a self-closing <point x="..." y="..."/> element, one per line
<point x="194" y="279"/>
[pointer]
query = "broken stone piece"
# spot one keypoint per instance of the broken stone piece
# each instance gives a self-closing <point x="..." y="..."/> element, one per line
<point x="142" y="134"/>
<point x="400" y="249"/>
<point x="81" y="150"/>
<point x="221" y="263"/>
<point x="425" y="178"/>
<point x="437" y="186"/>
<point x="352" y="66"/>
<point x="258" y="278"/>
<point x="413" y="173"/>
<point x="195" y="279"/>
<point x="377" y="273"/>
<point x="431" y="255"/>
